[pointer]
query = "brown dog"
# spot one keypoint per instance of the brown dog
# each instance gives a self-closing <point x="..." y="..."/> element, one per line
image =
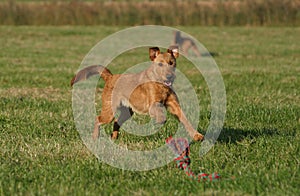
<point x="185" y="44"/>
<point x="147" y="92"/>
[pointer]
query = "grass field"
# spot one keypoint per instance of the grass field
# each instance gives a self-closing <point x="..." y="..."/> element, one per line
<point x="41" y="151"/>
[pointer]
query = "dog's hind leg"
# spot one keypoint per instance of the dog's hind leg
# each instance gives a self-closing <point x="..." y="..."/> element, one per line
<point x="105" y="117"/>
<point x="196" y="50"/>
<point x="125" y="114"/>
<point x="175" y="109"/>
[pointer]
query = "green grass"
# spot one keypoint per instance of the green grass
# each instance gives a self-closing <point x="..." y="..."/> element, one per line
<point x="42" y="153"/>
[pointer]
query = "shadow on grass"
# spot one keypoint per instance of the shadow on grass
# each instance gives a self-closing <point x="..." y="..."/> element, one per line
<point x="231" y="135"/>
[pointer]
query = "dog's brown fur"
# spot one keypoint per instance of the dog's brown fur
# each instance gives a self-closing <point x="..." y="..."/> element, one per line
<point x="147" y="92"/>
<point x="185" y="44"/>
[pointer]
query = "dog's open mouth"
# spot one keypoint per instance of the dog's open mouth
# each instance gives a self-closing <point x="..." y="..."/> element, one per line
<point x="168" y="83"/>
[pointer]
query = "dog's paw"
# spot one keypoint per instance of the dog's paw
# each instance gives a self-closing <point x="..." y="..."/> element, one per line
<point x="161" y="119"/>
<point x="115" y="135"/>
<point x="198" y="137"/>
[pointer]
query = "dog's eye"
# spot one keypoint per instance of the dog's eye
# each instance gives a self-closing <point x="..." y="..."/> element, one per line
<point x="171" y="63"/>
<point x="160" y="64"/>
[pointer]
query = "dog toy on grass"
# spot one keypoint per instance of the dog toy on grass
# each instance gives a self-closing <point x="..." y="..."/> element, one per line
<point x="181" y="148"/>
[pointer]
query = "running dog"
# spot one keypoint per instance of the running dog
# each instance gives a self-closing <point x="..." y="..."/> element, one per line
<point x="185" y="44"/>
<point x="147" y="92"/>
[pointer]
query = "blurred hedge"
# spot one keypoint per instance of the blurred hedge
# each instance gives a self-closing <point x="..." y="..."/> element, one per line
<point x="213" y="12"/>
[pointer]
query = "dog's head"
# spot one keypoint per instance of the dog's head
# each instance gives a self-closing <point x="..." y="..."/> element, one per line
<point x="164" y="64"/>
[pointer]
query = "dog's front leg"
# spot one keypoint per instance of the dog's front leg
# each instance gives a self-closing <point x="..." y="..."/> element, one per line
<point x="175" y="109"/>
<point x="96" y="128"/>
<point x="156" y="111"/>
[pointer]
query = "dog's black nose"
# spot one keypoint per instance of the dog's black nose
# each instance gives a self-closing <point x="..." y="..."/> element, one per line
<point x="169" y="76"/>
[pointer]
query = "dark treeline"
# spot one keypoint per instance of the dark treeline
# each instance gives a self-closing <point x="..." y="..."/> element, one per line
<point x="219" y="13"/>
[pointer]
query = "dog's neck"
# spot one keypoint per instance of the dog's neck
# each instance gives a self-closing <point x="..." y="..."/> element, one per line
<point x="149" y="74"/>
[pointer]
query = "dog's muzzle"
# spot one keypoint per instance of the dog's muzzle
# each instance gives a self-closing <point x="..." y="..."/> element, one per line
<point x="170" y="80"/>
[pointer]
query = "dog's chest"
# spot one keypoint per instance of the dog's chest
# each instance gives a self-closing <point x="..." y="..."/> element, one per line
<point x="142" y="97"/>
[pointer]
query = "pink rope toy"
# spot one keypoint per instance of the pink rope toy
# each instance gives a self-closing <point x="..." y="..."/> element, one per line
<point x="181" y="148"/>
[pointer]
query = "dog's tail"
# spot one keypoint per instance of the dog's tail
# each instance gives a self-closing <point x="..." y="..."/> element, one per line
<point x="90" y="71"/>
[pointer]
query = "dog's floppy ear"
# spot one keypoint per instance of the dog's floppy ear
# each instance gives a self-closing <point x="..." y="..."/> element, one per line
<point x="153" y="52"/>
<point x="174" y="50"/>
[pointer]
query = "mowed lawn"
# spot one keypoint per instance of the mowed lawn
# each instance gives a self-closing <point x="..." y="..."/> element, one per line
<point x="41" y="151"/>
